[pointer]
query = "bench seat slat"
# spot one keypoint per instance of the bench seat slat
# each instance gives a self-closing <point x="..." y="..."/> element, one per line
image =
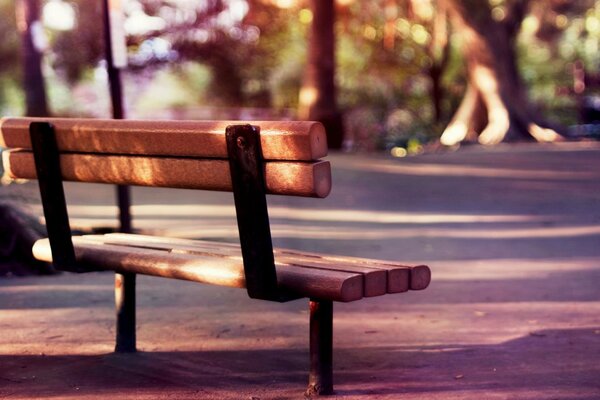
<point x="310" y="179"/>
<point x="216" y="270"/>
<point x="400" y="278"/>
<point x="375" y="280"/>
<point x="280" y="140"/>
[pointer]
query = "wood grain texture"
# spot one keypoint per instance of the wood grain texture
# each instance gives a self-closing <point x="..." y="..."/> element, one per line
<point x="375" y="280"/>
<point x="211" y="269"/>
<point x="400" y="277"/>
<point x="280" y="140"/>
<point x="309" y="179"/>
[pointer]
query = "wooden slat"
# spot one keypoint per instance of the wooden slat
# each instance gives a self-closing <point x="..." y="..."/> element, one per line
<point x="311" y="179"/>
<point x="375" y="280"/>
<point x="309" y="282"/>
<point x="280" y="140"/>
<point x="400" y="278"/>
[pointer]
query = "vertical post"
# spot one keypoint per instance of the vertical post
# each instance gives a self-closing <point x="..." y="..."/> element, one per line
<point x="125" y="307"/>
<point x="320" y="378"/>
<point x="124" y="283"/>
<point x="116" y="97"/>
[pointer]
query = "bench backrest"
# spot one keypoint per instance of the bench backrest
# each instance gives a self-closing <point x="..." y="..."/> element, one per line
<point x="223" y="155"/>
<point x="179" y="154"/>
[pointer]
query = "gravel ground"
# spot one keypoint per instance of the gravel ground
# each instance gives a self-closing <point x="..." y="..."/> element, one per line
<point x="512" y="235"/>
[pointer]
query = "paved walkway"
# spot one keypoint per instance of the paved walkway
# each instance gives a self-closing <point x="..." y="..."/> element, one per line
<point x="512" y="235"/>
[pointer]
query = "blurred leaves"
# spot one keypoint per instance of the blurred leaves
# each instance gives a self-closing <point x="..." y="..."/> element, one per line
<point x="252" y="53"/>
<point x="78" y="50"/>
<point x="10" y="74"/>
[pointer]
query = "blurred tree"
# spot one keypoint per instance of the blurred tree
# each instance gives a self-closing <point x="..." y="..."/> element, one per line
<point x="433" y="15"/>
<point x="9" y="45"/>
<point x="560" y="44"/>
<point x="495" y="104"/>
<point x="273" y="71"/>
<point x="78" y="49"/>
<point x="9" y="51"/>
<point x="394" y="64"/>
<point x="318" y="94"/>
<point x="160" y="32"/>
<point x="396" y="70"/>
<point x="219" y="34"/>
<point x="439" y="53"/>
<point x="32" y="44"/>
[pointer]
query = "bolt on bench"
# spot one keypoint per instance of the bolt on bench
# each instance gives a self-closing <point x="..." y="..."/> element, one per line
<point x="249" y="159"/>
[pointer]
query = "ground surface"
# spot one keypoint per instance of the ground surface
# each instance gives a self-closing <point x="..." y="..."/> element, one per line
<point x="512" y="236"/>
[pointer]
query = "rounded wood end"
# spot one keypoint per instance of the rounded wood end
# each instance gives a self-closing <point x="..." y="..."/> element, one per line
<point x="322" y="179"/>
<point x="318" y="140"/>
<point x="3" y="122"/>
<point x="352" y="289"/>
<point x="420" y="277"/>
<point x="375" y="283"/>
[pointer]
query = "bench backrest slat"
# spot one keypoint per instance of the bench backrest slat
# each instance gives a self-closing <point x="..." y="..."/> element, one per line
<point x="308" y="179"/>
<point x="280" y="140"/>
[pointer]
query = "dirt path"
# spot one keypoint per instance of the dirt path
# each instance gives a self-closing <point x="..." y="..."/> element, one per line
<point x="512" y="235"/>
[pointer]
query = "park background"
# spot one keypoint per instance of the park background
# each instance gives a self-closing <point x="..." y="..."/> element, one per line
<point x="510" y="231"/>
<point x="382" y="74"/>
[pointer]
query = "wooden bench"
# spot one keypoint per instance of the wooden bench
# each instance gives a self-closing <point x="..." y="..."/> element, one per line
<point x="249" y="159"/>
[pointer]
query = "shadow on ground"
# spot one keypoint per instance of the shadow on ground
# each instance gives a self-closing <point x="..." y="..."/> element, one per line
<point x="435" y="371"/>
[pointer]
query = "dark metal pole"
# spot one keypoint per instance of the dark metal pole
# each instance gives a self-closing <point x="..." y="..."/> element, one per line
<point x="116" y="97"/>
<point x="125" y="308"/>
<point x="124" y="283"/>
<point x="320" y="379"/>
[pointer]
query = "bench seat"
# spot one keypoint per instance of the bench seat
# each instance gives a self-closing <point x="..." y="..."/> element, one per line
<point x="325" y="277"/>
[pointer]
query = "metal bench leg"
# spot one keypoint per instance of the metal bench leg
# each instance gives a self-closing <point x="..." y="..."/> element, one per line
<point x="125" y="308"/>
<point x="320" y="379"/>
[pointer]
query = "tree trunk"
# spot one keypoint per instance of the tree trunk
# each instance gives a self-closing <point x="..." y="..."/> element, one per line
<point x="318" y="92"/>
<point x="495" y="93"/>
<point x="439" y="53"/>
<point x="29" y="24"/>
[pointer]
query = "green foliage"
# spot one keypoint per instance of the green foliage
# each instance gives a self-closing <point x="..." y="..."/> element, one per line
<point x="551" y="40"/>
<point x="285" y="74"/>
<point x="9" y="57"/>
<point x="76" y="51"/>
<point x="9" y="45"/>
<point x="11" y="96"/>
<point x="179" y="87"/>
<point x="385" y="63"/>
<point x="581" y="38"/>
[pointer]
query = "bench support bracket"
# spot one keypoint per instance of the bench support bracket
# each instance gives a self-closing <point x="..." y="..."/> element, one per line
<point x="249" y="193"/>
<point x="320" y="378"/>
<point x="47" y="165"/>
